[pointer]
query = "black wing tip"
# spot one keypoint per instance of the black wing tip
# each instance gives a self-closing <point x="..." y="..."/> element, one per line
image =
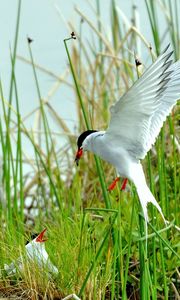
<point x="167" y="47"/>
<point x="168" y="56"/>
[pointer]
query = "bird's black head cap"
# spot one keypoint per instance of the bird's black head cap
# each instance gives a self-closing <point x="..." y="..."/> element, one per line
<point x="32" y="237"/>
<point x="82" y="137"/>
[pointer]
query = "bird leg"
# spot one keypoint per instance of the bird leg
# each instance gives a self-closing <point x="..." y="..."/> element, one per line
<point x="113" y="184"/>
<point x="124" y="184"/>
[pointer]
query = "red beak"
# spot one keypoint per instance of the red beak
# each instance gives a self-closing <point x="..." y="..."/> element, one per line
<point x="79" y="153"/>
<point x="40" y="237"/>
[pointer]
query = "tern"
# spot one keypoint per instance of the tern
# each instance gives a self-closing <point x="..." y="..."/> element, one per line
<point x="35" y="251"/>
<point x="136" y="120"/>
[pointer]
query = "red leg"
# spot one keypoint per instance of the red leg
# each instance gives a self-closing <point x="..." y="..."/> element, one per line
<point x="113" y="184"/>
<point x="124" y="184"/>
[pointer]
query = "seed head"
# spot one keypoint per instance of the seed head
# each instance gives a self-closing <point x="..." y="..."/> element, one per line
<point x="73" y="35"/>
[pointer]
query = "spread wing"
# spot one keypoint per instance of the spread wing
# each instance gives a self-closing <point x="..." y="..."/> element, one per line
<point x="136" y="119"/>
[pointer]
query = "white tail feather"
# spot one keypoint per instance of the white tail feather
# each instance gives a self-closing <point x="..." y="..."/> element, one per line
<point x="144" y="193"/>
<point x="145" y="197"/>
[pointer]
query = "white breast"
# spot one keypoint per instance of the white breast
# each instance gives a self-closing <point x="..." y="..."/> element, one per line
<point x="99" y="144"/>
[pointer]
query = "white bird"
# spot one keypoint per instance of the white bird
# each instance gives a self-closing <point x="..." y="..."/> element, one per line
<point x="136" y="120"/>
<point x="35" y="251"/>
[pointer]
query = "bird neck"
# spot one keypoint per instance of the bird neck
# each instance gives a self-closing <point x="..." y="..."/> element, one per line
<point x="35" y="248"/>
<point x="92" y="140"/>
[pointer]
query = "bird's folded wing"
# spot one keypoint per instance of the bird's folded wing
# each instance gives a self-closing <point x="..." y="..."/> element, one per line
<point x="138" y="116"/>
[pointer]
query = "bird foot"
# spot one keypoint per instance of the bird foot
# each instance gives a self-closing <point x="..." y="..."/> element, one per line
<point x="124" y="184"/>
<point x="113" y="184"/>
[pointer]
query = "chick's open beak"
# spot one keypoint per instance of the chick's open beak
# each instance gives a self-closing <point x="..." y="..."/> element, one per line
<point x="40" y="237"/>
<point x="79" y="153"/>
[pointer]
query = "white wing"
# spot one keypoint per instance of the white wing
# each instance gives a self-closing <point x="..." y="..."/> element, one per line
<point x="136" y="119"/>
